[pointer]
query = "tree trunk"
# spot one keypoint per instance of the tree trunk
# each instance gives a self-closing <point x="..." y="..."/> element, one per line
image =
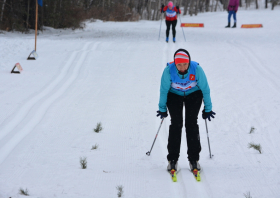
<point x="240" y="3"/>
<point x="265" y="3"/>
<point x="54" y="14"/>
<point x="196" y="7"/>
<point x="149" y="9"/>
<point x="257" y="4"/>
<point x="42" y="18"/>
<point x="191" y="7"/>
<point x="158" y="7"/>
<point x="27" y="17"/>
<point x="272" y="4"/>
<point x="186" y="6"/>
<point x="207" y="5"/>
<point x="216" y="5"/>
<point x="2" y="11"/>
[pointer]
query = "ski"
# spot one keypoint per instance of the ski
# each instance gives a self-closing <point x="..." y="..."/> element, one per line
<point x="196" y="174"/>
<point x="173" y="175"/>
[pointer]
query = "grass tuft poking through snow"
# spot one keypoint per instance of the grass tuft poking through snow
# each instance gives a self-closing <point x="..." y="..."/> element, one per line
<point x="120" y="191"/>
<point x="252" y="130"/>
<point x="23" y="192"/>
<point x="247" y="195"/>
<point x="83" y="162"/>
<point x="94" y="147"/>
<point x="255" y="146"/>
<point x="98" y="127"/>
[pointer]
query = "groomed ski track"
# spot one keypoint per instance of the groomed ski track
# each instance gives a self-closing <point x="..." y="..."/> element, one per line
<point x="110" y="73"/>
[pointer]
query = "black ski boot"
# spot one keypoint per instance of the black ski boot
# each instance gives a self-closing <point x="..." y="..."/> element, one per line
<point x="234" y="25"/>
<point x="172" y="165"/>
<point x="194" y="165"/>
<point x="228" y="26"/>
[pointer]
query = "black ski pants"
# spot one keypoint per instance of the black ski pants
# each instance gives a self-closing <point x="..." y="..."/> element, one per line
<point x="192" y="104"/>
<point x="168" y="24"/>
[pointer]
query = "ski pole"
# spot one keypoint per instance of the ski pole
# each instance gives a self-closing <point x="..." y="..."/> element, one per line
<point x="208" y="139"/>
<point x="160" y="25"/>
<point x="182" y="27"/>
<point x="149" y="152"/>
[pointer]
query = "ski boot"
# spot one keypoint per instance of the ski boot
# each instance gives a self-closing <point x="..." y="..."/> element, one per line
<point x="195" y="168"/>
<point x="228" y="26"/>
<point x="174" y="39"/>
<point x="234" y="25"/>
<point x="194" y="165"/>
<point x="167" y="39"/>
<point x="172" y="165"/>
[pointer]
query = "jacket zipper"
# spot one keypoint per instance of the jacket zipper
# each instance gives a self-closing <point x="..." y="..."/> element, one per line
<point x="184" y="91"/>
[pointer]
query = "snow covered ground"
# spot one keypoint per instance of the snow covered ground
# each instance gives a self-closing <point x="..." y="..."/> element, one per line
<point x="110" y="73"/>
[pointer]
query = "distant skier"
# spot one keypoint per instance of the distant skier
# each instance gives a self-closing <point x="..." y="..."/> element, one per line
<point x="171" y="18"/>
<point x="232" y="10"/>
<point x="183" y="83"/>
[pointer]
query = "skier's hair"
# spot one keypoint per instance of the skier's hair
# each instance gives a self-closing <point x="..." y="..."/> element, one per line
<point x="183" y="50"/>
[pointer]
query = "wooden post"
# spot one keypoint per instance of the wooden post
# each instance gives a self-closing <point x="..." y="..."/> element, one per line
<point x="36" y="24"/>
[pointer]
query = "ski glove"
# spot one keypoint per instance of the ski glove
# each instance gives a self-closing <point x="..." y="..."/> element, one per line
<point x="178" y="12"/>
<point x="162" y="6"/>
<point x="162" y="114"/>
<point x="208" y="115"/>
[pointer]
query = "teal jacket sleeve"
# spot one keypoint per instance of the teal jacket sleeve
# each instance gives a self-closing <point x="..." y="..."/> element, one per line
<point x="204" y="87"/>
<point x="164" y="89"/>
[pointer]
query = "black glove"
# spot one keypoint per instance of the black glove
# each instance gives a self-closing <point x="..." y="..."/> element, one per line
<point x="162" y="6"/>
<point x="178" y="9"/>
<point x="162" y="114"/>
<point x="208" y="115"/>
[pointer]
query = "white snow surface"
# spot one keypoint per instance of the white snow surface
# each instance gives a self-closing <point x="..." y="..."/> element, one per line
<point x="110" y="73"/>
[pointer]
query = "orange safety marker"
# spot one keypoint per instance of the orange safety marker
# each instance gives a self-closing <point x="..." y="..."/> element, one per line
<point x="192" y="24"/>
<point x="18" y="66"/>
<point x="252" y="26"/>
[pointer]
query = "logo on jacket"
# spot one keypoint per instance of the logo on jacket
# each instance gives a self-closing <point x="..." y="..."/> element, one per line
<point x="192" y="77"/>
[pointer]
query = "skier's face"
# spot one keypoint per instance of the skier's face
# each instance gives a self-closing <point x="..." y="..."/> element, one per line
<point x="170" y="7"/>
<point x="182" y="67"/>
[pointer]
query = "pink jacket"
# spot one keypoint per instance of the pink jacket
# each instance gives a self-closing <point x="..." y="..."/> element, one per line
<point x="233" y="5"/>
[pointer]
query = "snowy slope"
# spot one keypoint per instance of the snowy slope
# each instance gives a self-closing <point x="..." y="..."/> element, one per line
<point x="110" y="73"/>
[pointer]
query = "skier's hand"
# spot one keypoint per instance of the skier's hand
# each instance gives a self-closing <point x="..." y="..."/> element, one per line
<point x="236" y="11"/>
<point x="208" y="115"/>
<point x="161" y="10"/>
<point x="177" y="7"/>
<point x="162" y="114"/>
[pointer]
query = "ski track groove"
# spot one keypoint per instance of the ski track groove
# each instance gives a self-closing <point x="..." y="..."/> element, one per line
<point x="249" y="56"/>
<point x="179" y="188"/>
<point x="23" y="111"/>
<point x="44" y="99"/>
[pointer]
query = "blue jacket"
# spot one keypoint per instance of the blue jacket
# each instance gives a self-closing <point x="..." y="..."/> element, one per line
<point x="202" y="85"/>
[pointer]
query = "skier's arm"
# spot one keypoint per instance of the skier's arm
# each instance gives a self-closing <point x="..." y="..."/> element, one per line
<point x="177" y="9"/>
<point x="164" y="89"/>
<point x="204" y="87"/>
<point x="165" y="8"/>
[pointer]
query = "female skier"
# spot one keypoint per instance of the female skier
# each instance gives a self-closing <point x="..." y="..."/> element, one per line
<point x="183" y="83"/>
<point x="171" y="19"/>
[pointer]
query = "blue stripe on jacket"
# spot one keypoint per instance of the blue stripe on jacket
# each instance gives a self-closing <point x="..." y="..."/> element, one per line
<point x="202" y="85"/>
